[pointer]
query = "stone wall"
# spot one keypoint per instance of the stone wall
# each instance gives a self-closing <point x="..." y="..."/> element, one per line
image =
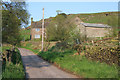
<point x="96" y="32"/>
<point x="81" y="29"/>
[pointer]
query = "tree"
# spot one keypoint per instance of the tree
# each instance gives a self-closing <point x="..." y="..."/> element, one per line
<point x="14" y="15"/>
<point x="60" y="28"/>
<point x="58" y="11"/>
<point x="10" y="28"/>
<point x="64" y="30"/>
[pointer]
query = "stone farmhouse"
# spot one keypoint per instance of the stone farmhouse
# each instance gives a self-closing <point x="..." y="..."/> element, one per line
<point x="87" y="29"/>
<point x="36" y="29"/>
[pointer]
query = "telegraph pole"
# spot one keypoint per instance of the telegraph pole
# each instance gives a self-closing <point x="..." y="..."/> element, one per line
<point x="43" y="30"/>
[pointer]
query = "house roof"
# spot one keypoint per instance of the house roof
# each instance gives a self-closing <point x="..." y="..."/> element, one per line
<point x="36" y="24"/>
<point x="95" y="25"/>
<point x="39" y="24"/>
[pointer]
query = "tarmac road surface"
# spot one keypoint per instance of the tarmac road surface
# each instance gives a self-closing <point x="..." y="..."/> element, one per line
<point x="35" y="67"/>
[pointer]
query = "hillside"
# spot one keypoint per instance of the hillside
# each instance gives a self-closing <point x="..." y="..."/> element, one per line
<point x="110" y="18"/>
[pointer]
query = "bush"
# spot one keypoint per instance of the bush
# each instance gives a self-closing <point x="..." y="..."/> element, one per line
<point x="59" y="29"/>
<point x="107" y="55"/>
<point x="13" y="69"/>
<point x="79" y="48"/>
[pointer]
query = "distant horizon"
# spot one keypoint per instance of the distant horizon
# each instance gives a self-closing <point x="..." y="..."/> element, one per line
<point x="35" y="8"/>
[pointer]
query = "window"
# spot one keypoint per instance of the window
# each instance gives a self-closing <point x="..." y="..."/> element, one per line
<point x="37" y="29"/>
<point x="37" y="36"/>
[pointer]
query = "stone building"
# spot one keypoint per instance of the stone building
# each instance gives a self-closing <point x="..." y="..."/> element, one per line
<point x="95" y="30"/>
<point x="86" y="29"/>
<point x="92" y="29"/>
<point x="36" y="29"/>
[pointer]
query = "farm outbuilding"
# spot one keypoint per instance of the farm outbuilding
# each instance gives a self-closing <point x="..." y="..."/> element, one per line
<point x="93" y="29"/>
<point x="96" y="30"/>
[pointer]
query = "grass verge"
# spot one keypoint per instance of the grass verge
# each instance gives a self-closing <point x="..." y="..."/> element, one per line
<point x="78" y="64"/>
<point x="36" y="51"/>
<point x="15" y="68"/>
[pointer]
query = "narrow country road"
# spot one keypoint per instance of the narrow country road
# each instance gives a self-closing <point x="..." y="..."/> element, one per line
<point x="35" y="67"/>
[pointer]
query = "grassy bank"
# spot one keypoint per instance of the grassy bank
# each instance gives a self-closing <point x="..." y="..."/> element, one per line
<point x="36" y="51"/>
<point x="80" y="65"/>
<point x="77" y="64"/>
<point x="29" y="46"/>
<point x="15" y="68"/>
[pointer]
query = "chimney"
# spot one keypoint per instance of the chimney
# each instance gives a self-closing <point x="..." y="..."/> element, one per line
<point x="31" y="28"/>
<point x="31" y="20"/>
